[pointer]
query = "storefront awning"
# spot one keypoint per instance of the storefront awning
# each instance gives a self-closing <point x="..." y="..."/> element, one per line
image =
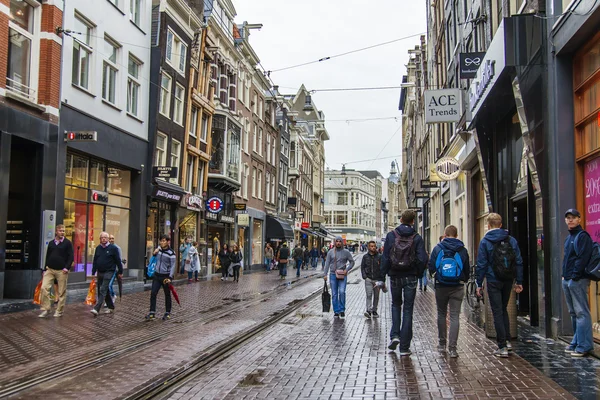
<point x="166" y="191"/>
<point x="279" y="228"/>
<point x="312" y="233"/>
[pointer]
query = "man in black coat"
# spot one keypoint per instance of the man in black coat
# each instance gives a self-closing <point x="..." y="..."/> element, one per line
<point x="106" y="261"/>
<point x="59" y="257"/>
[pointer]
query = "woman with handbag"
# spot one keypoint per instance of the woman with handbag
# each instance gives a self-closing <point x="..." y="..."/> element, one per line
<point x="225" y="261"/>
<point x="236" y="261"/>
<point x="339" y="262"/>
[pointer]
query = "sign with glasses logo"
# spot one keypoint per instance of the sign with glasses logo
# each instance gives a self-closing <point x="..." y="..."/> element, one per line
<point x="469" y="64"/>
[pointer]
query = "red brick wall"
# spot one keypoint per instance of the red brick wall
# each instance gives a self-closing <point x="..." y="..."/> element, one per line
<point x="3" y="44"/>
<point x="49" y="74"/>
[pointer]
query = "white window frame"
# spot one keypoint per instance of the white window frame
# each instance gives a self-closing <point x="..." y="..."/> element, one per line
<point x="245" y="176"/>
<point x="204" y="128"/>
<point x="255" y="138"/>
<point x="193" y="127"/>
<point x="260" y="173"/>
<point x="201" y="174"/>
<point x="189" y="184"/>
<point x="176" y="52"/>
<point x="84" y="45"/>
<point x="133" y="82"/>
<point x="260" y="141"/>
<point x="254" y="182"/>
<point x="268" y="155"/>
<point x="165" y="95"/>
<point x="175" y="159"/>
<point x="260" y="108"/>
<point x="268" y="186"/>
<point x="108" y="66"/>
<point x="178" y="104"/>
<point x="246" y="138"/>
<point x="160" y="154"/>
<point x="255" y="101"/>
<point x="28" y="92"/>
<point x="135" y="12"/>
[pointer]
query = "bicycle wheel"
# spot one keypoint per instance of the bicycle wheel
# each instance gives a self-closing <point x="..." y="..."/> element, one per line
<point x="471" y="295"/>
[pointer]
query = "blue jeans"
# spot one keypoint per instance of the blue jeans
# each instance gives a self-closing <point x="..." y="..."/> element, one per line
<point x="111" y="290"/>
<point x="298" y="266"/>
<point x="268" y="263"/>
<point x="423" y="279"/>
<point x="576" y="295"/>
<point x="313" y="262"/>
<point x="323" y="263"/>
<point x="338" y="293"/>
<point x="404" y="290"/>
<point x="282" y="268"/>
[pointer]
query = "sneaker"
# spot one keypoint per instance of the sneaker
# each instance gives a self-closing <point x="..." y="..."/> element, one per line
<point x="114" y="298"/>
<point x="93" y="311"/>
<point x="336" y="314"/>
<point x="151" y="316"/>
<point x="579" y="354"/>
<point x="222" y="278"/>
<point x="58" y="314"/>
<point x="508" y="346"/>
<point x="569" y="349"/>
<point x="43" y="314"/>
<point x="501" y="353"/>
<point x="374" y="314"/>
<point x="109" y="311"/>
<point x="406" y="352"/>
<point x="166" y="316"/>
<point x="394" y="343"/>
<point x="425" y="289"/>
<point x="441" y="348"/>
<point x="342" y="315"/>
<point x="368" y="314"/>
<point x="452" y="353"/>
<point x="420" y="289"/>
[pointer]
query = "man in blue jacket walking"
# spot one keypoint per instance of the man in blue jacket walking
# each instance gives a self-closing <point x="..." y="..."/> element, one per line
<point x="404" y="259"/>
<point x="498" y="261"/>
<point x="578" y="251"/>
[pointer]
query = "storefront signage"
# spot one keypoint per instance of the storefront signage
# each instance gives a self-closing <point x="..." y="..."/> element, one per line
<point x="300" y="214"/>
<point x="214" y="205"/>
<point x="98" y="197"/>
<point x="193" y="202"/>
<point x="488" y="71"/>
<point x="164" y="172"/>
<point x="226" y="218"/>
<point x="422" y="195"/>
<point x="212" y="217"/>
<point x="243" y="220"/>
<point x="469" y="64"/>
<point x="305" y="225"/>
<point x="447" y="168"/>
<point x="433" y="176"/>
<point x="239" y="206"/>
<point x="81" y="136"/>
<point x="592" y="198"/>
<point x="427" y="183"/>
<point x="443" y="105"/>
<point x="416" y="209"/>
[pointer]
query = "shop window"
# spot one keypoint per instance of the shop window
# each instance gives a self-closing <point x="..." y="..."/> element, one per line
<point x="119" y="181"/>
<point x="77" y="170"/>
<point x="97" y="174"/>
<point x="257" y="242"/>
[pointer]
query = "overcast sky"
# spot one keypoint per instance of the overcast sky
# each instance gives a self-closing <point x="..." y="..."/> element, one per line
<point x="298" y="31"/>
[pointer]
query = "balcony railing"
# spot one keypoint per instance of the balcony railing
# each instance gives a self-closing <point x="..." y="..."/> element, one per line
<point x="20" y="90"/>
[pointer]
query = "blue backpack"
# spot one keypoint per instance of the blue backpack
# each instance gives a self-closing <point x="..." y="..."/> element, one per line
<point x="449" y="269"/>
<point x="592" y="270"/>
<point x="151" y="267"/>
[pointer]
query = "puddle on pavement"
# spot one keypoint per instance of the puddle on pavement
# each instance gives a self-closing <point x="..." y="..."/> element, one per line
<point x="253" y="378"/>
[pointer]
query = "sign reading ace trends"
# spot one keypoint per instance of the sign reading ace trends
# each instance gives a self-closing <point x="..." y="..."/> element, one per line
<point x="444" y="105"/>
<point x="214" y="205"/>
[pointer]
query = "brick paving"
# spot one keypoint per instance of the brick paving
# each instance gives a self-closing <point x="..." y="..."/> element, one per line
<point x="313" y="356"/>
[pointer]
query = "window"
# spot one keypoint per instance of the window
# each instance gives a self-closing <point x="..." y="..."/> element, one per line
<point x="293" y="155"/>
<point x="254" y="102"/>
<point x="176" y="51"/>
<point x="82" y="53"/>
<point x="259" y="188"/>
<point x="254" y="182"/>
<point x="178" y="108"/>
<point x="260" y="141"/>
<point x="175" y="156"/>
<point x="273" y="155"/>
<point x="160" y="155"/>
<point x="135" y="8"/>
<point x="204" y="131"/>
<point x="268" y="148"/>
<point x="254" y="139"/>
<point x="191" y="165"/>
<point x="268" y="186"/>
<point x="109" y="71"/>
<point x="200" y="182"/>
<point x="21" y="77"/>
<point x="193" y="126"/>
<point x="245" y="135"/>
<point x="133" y="85"/>
<point x="245" y="174"/>
<point x="165" y="95"/>
<point x="260" y="108"/>
<point x="273" y="189"/>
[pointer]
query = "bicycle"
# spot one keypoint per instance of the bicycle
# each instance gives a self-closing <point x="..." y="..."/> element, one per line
<point x="472" y="299"/>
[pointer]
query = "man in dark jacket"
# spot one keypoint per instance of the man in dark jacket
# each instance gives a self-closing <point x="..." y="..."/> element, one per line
<point x="403" y="279"/>
<point x="314" y="257"/>
<point x="283" y="256"/>
<point x="449" y="285"/>
<point x="106" y="260"/>
<point x="578" y="251"/>
<point x="298" y="256"/>
<point x="498" y="290"/>
<point x="59" y="257"/>
<point x="165" y="270"/>
<point x="370" y="268"/>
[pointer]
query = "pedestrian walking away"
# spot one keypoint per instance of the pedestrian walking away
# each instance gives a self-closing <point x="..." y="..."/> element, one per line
<point x="449" y="267"/>
<point x="111" y="288"/>
<point x="193" y="266"/>
<point x="370" y="268"/>
<point x="499" y="262"/>
<point x="59" y="258"/>
<point x="298" y="256"/>
<point x="183" y="253"/>
<point x="339" y="262"/>
<point x="314" y="257"/>
<point x="236" y="261"/>
<point x="306" y="262"/>
<point x="283" y="256"/>
<point x="404" y="259"/>
<point x="268" y="257"/>
<point x="225" y="261"/>
<point x="576" y="283"/>
<point x="165" y="270"/>
<point x="324" y="251"/>
<point x="106" y="261"/>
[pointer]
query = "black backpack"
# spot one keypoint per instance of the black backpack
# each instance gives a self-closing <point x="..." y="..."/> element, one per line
<point x="592" y="270"/>
<point x="403" y="253"/>
<point x="504" y="260"/>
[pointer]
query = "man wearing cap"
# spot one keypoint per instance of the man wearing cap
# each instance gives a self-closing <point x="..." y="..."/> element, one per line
<point x="340" y="260"/>
<point x="578" y="251"/>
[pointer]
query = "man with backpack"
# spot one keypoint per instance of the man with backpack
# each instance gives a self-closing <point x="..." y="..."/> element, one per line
<point x="404" y="259"/>
<point x="449" y="266"/>
<point x="576" y="283"/>
<point x="499" y="262"/>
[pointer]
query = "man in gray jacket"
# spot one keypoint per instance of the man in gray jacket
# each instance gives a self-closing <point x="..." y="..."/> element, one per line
<point x="340" y="260"/>
<point x="165" y="269"/>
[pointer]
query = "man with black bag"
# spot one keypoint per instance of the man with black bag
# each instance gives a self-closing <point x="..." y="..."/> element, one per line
<point x="499" y="262"/>
<point x="404" y="259"/>
<point x="337" y="265"/>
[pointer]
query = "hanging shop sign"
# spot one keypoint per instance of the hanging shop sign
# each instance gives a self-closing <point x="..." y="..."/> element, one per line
<point x="164" y="172"/>
<point x="98" y="197"/>
<point x="447" y="168"/>
<point x="444" y="105"/>
<point x="193" y="202"/>
<point x="469" y="64"/>
<point x="239" y="206"/>
<point x="300" y="214"/>
<point x="421" y="195"/>
<point x="243" y="219"/>
<point x="214" y="205"/>
<point x="488" y="72"/>
<point x="226" y="218"/>
<point x="433" y="175"/>
<point x="427" y="184"/>
<point x="305" y="225"/>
